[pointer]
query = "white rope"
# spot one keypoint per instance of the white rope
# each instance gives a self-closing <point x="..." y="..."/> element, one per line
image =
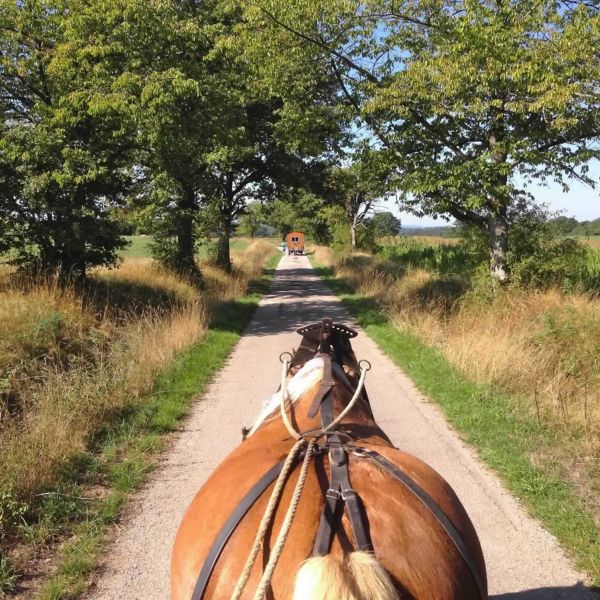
<point x="265" y="580"/>
<point x="282" y="405"/>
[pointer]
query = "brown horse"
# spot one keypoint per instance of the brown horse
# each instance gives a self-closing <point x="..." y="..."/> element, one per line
<point x="414" y="538"/>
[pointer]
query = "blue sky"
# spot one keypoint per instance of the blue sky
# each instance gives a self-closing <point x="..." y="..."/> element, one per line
<point x="581" y="201"/>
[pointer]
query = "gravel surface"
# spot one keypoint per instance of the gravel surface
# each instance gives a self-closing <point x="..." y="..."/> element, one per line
<point x="524" y="562"/>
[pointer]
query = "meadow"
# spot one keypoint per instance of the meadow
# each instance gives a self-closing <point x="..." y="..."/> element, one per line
<point x="538" y="346"/>
<point x="77" y="369"/>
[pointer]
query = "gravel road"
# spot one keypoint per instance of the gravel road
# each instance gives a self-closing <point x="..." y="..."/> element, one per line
<point x="524" y="561"/>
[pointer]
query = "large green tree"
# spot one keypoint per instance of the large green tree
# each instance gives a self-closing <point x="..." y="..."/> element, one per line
<point x="66" y="132"/>
<point x="175" y="90"/>
<point x="471" y="99"/>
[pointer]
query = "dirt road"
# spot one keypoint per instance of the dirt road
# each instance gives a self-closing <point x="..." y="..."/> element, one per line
<point x="524" y="561"/>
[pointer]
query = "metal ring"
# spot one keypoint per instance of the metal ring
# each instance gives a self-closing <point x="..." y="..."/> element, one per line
<point x="282" y="360"/>
<point x="366" y="362"/>
<point x="359" y="451"/>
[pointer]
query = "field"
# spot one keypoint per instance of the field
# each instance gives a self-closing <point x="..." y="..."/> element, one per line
<point x="139" y="246"/>
<point x="78" y="420"/>
<point x="539" y="347"/>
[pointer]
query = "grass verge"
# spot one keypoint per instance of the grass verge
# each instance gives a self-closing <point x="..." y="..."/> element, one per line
<point x="125" y="451"/>
<point x="504" y="438"/>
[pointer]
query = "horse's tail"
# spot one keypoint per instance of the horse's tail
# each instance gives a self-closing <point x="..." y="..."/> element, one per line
<point x="357" y="576"/>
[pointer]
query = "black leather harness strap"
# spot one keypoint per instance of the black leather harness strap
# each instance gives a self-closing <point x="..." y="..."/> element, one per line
<point x="340" y="492"/>
<point x="229" y="527"/>
<point x="432" y="506"/>
<point x="325" y="387"/>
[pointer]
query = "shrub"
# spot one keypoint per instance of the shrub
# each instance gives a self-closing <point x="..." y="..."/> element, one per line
<point x="537" y="253"/>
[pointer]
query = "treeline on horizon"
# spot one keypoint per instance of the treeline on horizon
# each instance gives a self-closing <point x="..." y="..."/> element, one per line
<point x="564" y="226"/>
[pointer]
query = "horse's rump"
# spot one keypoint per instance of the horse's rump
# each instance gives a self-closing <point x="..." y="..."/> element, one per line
<point x="417" y="527"/>
<point x="408" y="541"/>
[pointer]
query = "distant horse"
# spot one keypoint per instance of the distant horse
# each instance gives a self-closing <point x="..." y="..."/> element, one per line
<point x="316" y="503"/>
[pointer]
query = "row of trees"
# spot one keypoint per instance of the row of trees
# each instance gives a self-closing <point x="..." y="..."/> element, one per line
<point x="144" y="105"/>
<point x="467" y="101"/>
<point x="188" y="110"/>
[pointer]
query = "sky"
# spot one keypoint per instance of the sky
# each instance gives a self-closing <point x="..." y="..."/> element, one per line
<point x="581" y="202"/>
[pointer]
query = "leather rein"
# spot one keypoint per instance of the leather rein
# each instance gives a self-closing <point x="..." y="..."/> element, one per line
<point x="330" y="341"/>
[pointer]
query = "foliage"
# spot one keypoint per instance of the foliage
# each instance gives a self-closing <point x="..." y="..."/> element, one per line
<point x="341" y="239"/>
<point x="8" y="577"/>
<point x="300" y="210"/>
<point x="385" y="223"/>
<point x="355" y="189"/>
<point x="539" y="255"/>
<point x="584" y="228"/>
<point x="65" y="132"/>
<point x="446" y="259"/>
<point x="564" y="225"/>
<point x="252" y="219"/>
<point x="464" y="97"/>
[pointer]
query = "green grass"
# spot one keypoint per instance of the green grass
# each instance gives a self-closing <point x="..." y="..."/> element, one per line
<point x="126" y="450"/>
<point x="139" y="246"/>
<point x="504" y="437"/>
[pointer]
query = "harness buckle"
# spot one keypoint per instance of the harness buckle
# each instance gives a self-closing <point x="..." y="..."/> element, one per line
<point x="348" y="493"/>
<point x="333" y="494"/>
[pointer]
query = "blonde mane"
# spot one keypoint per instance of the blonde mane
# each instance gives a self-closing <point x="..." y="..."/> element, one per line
<point x="307" y="377"/>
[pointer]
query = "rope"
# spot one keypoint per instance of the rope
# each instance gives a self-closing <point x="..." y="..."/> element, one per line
<point x="266" y="519"/>
<point x="282" y="406"/>
<point x="353" y="400"/>
<point x="265" y="580"/>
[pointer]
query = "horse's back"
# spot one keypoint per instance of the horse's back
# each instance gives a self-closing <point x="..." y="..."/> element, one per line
<point x="407" y="539"/>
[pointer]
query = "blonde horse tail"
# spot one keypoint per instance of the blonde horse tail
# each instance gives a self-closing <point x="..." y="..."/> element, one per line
<point x="357" y="576"/>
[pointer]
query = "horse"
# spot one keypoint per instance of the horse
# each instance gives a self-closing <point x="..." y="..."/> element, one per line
<point x="317" y="504"/>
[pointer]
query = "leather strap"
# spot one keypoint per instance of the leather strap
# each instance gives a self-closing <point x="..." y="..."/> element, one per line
<point x="340" y="492"/>
<point x="325" y="387"/>
<point x="418" y="492"/>
<point x="230" y="526"/>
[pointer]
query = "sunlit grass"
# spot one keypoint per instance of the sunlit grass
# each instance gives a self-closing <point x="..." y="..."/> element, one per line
<point x="81" y="398"/>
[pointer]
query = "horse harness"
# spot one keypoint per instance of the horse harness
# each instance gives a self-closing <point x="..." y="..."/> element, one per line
<point x="331" y="340"/>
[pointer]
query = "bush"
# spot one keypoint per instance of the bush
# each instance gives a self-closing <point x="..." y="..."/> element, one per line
<point x="538" y="255"/>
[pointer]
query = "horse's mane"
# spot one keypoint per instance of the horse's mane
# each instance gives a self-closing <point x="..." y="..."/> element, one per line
<point x="305" y="379"/>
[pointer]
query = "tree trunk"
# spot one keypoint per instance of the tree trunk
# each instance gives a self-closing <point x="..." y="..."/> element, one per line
<point x="185" y="262"/>
<point x="353" y="236"/>
<point x="498" y="232"/>
<point x="223" y="258"/>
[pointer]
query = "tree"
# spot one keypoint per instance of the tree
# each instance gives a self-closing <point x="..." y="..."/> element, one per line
<point x="356" y="188"/>
<point x="564" y="225"/>
<point x="354" y="197"/>
<point x="252" y="219"/>
<point x="180" y="100"/>
<point x="300" y="210"/>
<point x="257" y="154"/>
<point x="469" y="98"/>
<point x="385" y="223"/>
<point x="66" y="133"/>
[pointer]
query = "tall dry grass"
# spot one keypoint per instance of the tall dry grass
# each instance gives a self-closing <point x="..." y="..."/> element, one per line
<point x="70" y="361"/>
<point x="542" y="345"/>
